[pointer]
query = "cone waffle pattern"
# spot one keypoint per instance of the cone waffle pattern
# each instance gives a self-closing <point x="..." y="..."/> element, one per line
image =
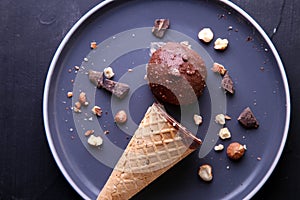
<point x="155" y="147"/>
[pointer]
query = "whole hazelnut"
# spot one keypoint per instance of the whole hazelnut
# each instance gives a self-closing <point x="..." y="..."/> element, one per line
<point x="235" y="151"/>
<point x="121" y="117"/>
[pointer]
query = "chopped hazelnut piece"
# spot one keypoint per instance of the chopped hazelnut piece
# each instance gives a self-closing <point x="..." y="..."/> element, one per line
<point x="220" y="119"/>
<point x="205" y="172"/>
<point x="89" y="132"/>
<point x="224" y="133"/>
<point x="121" y="117"/>
<point x="219" y="68"/>
<point x="77" y="105"/>
<point x="227" y="117"/>
<point x="95" y="140"/>
<point x="97" y="111"/>
<point x="93" y="45"/>
<point x="219" y="147"/>
<point x="235" y="151"/>
<point x="221" y="44"/>
<point x="197" y="119"/>
<point x="82" y="99"/>
<point x="206" y="35"/>
<point x="70" y="94"/>
<point x="76" y="110"/>
<point x="108" y="72"/>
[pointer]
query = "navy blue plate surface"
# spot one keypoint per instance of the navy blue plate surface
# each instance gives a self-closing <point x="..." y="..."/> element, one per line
<point x="122" y="30"/>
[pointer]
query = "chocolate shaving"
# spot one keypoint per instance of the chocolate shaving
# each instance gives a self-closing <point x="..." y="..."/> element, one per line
<point x="227" y="83"/>
<point x="160" y="27"/>
<point x="96" y="78"/>
<point x="247" y="119"/>
<point x="118" y="89"/>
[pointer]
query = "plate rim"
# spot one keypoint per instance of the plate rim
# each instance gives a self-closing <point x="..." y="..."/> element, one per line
<point x="93" y="10"/>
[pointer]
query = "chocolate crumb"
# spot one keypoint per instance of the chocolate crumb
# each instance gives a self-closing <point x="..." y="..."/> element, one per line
<point x="96" y="78"/>
<point x="120" y="90"/>
<point x="247" y="119"/>
<point x="249" y="38"/>
<point x="227" y="83"/>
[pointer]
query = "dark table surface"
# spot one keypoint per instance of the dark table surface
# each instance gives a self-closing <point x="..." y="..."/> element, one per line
<point x="30" y="32"/>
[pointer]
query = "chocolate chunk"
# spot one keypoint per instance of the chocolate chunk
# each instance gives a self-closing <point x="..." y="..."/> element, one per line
<point x="96" y="78"/>
<point x="227" y="83"/>
<point x="160" y="27"/>
<point x="118" y="89"/>
<point x="247" y="119"/>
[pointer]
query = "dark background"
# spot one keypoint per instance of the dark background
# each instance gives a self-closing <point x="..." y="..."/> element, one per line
<point x="30" y="32"/>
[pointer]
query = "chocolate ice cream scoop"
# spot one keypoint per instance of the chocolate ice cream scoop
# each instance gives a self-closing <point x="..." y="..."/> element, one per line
<point x="176" y="74"/>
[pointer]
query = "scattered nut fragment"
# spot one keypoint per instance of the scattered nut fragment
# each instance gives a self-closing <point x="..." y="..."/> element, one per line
<point x="76" y="68"/>
<point x="235" y="151"/>
<point x="93" y="45"/>
<point x="89" y="132"/>
<point x="219" y="147"/>
<point x="82" y="99"/>
<point x="121" y="117"/>
<point x="258" y="158"/>
<point x="77" y="105"/>
<point x="205" y="172"/>
<point x="97" y="111"/>
<point x="76" y="110"/>
<point x="69" y="94"/>
<point x="247" y="119"/>
<point x="108" y="72"/>
<point x="197" y="119"/>
<point x="186" y="43"/>
<point x="224" y="133"/>
<point x="220" y="119"/>
<point x="160" y="27"/>
<point x="95" y="140"/>
<point x="219" y="68"/>
<point x="221" y="44"/>
<point x="206" y="35"/>
<point x="227" y="117"/>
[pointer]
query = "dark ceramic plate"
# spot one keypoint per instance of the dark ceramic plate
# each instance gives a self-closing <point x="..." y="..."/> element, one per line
<point x="122" y="30"/>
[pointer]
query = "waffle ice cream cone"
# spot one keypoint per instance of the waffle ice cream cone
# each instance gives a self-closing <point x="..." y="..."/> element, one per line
<point x="157" y="145"/>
